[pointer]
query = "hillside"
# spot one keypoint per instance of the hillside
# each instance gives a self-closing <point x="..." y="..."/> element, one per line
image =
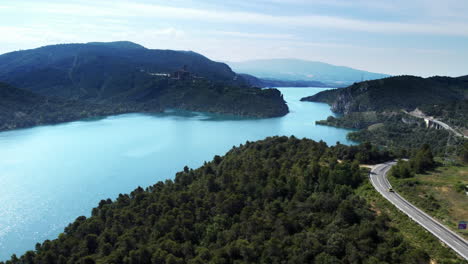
<point x="280" y="200"/>
<point x="393" y="93"/>
<point x="20" y="108"/>
<point x="375" y="107"/>
<point x="302" y="70"/>
<point x="126" y="73"/>
<point x="99" y="70"/>
<point x="206" y="96"/>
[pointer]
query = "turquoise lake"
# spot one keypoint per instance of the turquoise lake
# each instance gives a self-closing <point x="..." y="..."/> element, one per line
<point x="50" y="175"/>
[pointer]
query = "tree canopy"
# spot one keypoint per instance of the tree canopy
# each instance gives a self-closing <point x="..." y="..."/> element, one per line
<point x="279" y="200"/>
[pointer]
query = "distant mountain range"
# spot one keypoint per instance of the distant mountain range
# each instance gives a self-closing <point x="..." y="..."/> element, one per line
<point x="258" y="82"/>
<point x="123" y="72"/>
<point x="302" y="70"/>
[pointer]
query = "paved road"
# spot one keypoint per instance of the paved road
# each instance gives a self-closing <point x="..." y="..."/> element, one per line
<point x="417" y="113"/>
<point x="379" y="181"/>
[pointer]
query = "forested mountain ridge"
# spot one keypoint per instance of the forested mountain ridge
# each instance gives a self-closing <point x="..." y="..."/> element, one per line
<point x="124" y="73"/>
<point x="99" y="70"/>
<point x="375" y="108"/>
<point x="20" y="108"/>
<point x="279" y="200"/>
<point x="394" y="93"/>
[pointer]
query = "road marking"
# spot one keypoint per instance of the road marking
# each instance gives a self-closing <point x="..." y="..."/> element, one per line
<point x="450" y="238"/>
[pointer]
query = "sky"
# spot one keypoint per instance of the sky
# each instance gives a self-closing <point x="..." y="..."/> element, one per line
<point x="418" y="37"/>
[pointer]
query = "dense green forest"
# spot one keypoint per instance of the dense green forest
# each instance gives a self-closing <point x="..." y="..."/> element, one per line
<point x="279" y="200"/>
<point x="398" y="136"/>
<point x="208" y="96"/>
<point x="393" y="93"/>
<point x="396" y="131"/>
<point x="20" y="108"/>
<point x="375" y="108"/>
<point x="454" y="114"/>
<point x="421" y="161"/>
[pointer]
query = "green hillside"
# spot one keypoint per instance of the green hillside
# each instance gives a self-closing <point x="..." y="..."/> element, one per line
<point x="20" y="108"/>
<point x="375" y="107"/>
<point x="124" y="73"/>
<point x="280" y="200"/>
<point x="99" y="70"/>
<point x="394" y="93"/>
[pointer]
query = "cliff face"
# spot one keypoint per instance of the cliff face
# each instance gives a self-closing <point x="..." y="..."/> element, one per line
<point x="394" y="93"/>
<point x="343" y="103"/>
<point x="340" y="100"/>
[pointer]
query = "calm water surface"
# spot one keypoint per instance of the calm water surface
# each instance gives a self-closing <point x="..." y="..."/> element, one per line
<point x="50" y="175"/>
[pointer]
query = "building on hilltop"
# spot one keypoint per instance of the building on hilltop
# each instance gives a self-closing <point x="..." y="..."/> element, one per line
<point x="182" y="74"/>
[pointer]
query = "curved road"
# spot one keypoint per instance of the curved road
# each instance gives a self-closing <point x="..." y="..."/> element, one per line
<point x="381" y="184"/>
<point x="417" y="113"/>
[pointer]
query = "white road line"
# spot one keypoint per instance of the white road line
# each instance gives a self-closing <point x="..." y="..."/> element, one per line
<point x="450" y="238"/>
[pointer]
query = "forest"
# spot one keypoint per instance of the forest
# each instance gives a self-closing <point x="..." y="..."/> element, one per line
<point x="393" y="94"/>
<point x="20" y="109"/>
<point x="279" y="200"/>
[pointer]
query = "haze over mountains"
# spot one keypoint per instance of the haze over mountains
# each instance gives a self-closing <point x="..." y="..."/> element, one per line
<point x="302" y="70"/>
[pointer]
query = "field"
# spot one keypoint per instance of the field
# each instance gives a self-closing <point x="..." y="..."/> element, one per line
<point x="416" y="235"/>
<point x="440" y="193"/>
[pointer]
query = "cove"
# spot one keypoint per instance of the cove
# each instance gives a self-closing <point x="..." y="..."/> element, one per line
<point x="50" y="175"/>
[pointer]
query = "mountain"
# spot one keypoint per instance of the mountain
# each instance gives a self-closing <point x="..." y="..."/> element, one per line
<point x="280" y="200"/>
<point x="374" y="107"/>
<point x="294" y="69"/>
<point x="21" y="108"/>
<point x="257" y="82"/>
<point x="99" y="70"/>
<point x="394" y="93"/>
<point x="125" y="72"/>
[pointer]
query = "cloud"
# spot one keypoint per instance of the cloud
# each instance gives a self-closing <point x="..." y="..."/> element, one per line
<point x="428" y="8"/>
<point x="163" y="12"/>
<point x="172" y="32"/>
<point x="252" y="35"/>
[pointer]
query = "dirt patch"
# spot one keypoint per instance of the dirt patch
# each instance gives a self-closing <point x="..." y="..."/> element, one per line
<point x="443" y="189"/>
<point x="375" y="126"/>
<point x="375" y="209"/>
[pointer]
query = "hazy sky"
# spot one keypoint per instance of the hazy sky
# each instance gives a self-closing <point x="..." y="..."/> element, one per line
<point x="420" y="37"/>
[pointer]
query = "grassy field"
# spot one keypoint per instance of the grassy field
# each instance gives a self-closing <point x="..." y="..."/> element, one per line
<point x="439" y="193"/>
<point x="416" y="235"/>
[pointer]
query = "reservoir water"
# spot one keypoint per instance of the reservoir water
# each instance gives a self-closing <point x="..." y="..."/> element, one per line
<point x="50" y="175"/>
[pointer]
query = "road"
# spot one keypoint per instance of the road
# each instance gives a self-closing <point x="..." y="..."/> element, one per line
<point x="378" y="178"/>
<point x="417" y="113"/>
